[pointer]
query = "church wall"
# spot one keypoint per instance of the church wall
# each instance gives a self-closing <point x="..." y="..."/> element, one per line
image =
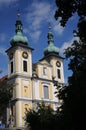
<point x="29" y="90"/>
<point x="25" y="106"/>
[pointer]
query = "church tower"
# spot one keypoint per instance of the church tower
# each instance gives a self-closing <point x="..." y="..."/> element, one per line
<point x="55" y="75"/>
<point x="32" y="83"/>
<point x="19" y="75"/>
<point x="51" y="54"/>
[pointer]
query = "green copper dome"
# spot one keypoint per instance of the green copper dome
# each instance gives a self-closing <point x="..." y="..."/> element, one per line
<point x="51" y="47"/>
<point x="18" y="37"/>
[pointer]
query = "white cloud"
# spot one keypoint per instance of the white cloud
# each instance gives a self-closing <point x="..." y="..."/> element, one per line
<point x="67" y="44"/>
<point x="58" y="29"/>
<point x="25" y="30"/>
<point x="2" y="51"/>
<point x="2" y="37"/>
<point x="6" y="2"/>
<point x="39" y="14"/>
<point x="35" y="35"/>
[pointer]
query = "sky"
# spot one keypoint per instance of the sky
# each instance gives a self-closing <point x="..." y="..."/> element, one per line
<point x="35" y="16"/>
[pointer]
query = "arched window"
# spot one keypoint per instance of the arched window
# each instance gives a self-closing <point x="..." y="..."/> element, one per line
<point x="59" y="73"/>
<point x="24" y="65"/>
<point x="44" y="71"/>
<point x="11" y="66"/>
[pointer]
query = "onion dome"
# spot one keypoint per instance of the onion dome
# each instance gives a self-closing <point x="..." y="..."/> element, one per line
<point x="51" y="47"/>
<point x="18" y="37"/>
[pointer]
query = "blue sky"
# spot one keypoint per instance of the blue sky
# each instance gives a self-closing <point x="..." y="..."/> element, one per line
<point x="35" y="16"/>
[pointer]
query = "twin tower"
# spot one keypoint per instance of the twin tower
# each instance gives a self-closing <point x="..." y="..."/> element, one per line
<point x="31" y="83"/>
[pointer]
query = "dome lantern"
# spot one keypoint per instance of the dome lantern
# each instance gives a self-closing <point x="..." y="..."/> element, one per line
<point x="19" y="37"/>
<point x="51" y="47"/>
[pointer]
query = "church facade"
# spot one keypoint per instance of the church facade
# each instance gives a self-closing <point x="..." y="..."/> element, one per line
<point x="32" y="82"/>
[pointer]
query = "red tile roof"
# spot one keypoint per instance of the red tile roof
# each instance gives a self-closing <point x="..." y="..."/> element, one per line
<point x="3" y="78"/>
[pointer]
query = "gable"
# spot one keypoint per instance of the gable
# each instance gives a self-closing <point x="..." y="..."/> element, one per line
<point x="45" y="62"/>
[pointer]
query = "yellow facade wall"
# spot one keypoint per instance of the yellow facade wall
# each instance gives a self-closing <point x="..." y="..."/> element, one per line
<point x="26" y="89"/>
<point x="25" y="106"/>
<point x="40" y="90"/>
<point x="18" y="114"/>
<point x="50" y="92"/>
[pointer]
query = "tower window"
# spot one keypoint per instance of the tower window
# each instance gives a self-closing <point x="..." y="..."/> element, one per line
<point x="46" y="92"/>
<point x="58" y="73"/>
<point x="25" y="66"/>
<point x="44" y="71"/>
<point x="12" y="67"/>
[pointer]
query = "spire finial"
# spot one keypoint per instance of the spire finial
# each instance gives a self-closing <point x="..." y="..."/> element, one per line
<point x="18" y="24"/>
<point x="49" y="26"/>
<point x="18" y="14"/>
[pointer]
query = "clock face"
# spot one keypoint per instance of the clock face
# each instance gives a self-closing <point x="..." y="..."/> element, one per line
<point x="25" y="55"/>
<point x="58" y="64"/>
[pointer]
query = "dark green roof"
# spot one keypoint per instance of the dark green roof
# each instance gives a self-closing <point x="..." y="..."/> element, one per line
<point x="18" y="37"/>
<point x="51" y="47"/>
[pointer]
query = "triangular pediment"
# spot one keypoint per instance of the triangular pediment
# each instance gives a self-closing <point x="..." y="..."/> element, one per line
<point x="45" y="62"/>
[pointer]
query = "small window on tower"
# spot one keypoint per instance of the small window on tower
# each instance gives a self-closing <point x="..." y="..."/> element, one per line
<point x="58" y="73"/>
<point x="44" y="71"/>
<point x="25" y="66"/>
<point x="12" y="67"/>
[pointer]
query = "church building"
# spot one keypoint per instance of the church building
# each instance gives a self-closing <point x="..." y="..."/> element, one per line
<point x="32" y="82"/>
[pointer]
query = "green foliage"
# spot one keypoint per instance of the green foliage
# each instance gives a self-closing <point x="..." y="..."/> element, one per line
<point x="66" y="9"/>
<point x="74" y="95"/>
<point x="77" y="83"/>
<point x="43" y="118"/>
<point x="5" y="96"/>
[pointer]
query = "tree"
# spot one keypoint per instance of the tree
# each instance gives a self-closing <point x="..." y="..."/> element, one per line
<point x="66" y="9"/>
<point x="5" y="96"/>
<point x="77" y="89"/>
<point x="74" y="94"/>
<point x="43" y="118"/>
